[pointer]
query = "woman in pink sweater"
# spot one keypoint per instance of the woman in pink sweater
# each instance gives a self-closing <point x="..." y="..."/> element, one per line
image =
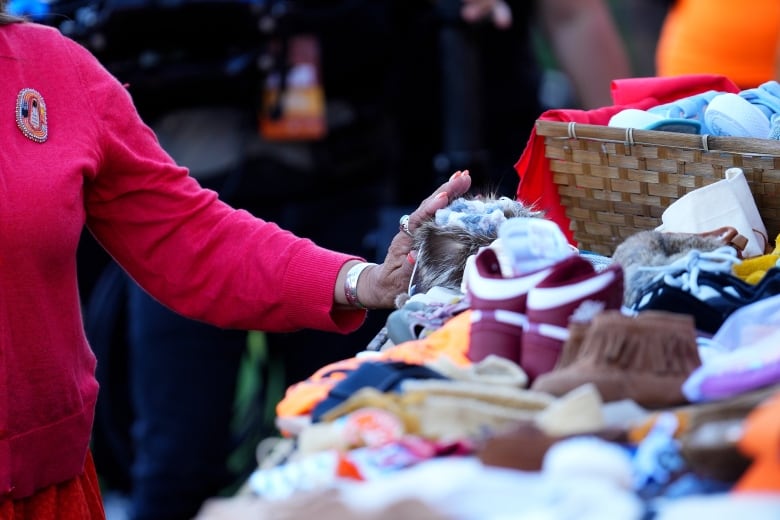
<point x="76" y="153"/>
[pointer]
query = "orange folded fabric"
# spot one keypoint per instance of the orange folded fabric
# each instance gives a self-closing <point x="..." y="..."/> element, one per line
<point x="451" y="340"/>
<point x="761" y="442"/>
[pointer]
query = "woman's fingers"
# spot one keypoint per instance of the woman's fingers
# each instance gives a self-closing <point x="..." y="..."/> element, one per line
<point x="392" y="276"/>
<point x="458" y="184"/>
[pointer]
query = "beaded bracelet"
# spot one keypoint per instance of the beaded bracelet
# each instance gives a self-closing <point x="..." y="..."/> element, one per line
<point x="350" y="284"/>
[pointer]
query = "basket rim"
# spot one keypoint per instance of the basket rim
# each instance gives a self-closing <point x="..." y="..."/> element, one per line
<point x="637" y="136"/>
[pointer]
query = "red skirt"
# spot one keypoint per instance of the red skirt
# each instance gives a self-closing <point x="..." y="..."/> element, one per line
<point x="76" y="499"/>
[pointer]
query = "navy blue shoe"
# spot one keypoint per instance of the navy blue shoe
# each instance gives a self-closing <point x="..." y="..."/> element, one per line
<point x="661" y="297"/>
<point x="702" y="284"/>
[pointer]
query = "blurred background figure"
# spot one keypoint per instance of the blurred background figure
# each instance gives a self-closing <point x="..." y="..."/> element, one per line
<point x="640" y="22"/>
<point x="472" y="77"/>
<point x="736" y="39"/>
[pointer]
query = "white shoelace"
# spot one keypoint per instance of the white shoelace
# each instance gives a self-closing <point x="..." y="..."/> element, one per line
<point x="684" y="272"/>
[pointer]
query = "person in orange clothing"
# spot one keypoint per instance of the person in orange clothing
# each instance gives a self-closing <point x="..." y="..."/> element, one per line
<point x="736" y="39"/>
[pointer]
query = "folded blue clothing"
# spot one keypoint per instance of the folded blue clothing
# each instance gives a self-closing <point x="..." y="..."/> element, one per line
<point x="691" y="107"/>
<point x="385" y="376"/>
<point x="735" y="121"/>
<point x="766" y="97"/>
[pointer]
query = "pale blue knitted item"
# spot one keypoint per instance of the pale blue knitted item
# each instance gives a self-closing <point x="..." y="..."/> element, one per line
<point x="475" y="215"/>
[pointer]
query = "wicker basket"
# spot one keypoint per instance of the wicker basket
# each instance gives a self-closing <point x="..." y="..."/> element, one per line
<point x="615" y="182"/>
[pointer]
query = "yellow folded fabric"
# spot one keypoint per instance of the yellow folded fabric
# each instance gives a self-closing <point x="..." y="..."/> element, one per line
<point x="752" y="270"/>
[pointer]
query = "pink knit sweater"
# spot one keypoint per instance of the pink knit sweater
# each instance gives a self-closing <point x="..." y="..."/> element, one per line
<point x="101" y="166"/>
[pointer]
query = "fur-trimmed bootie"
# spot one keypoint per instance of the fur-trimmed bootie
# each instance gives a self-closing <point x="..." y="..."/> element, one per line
<point x="645" y="358"/>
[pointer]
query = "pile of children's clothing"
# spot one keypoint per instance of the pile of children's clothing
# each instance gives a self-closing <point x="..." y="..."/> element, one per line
<point x="523" y="378"/>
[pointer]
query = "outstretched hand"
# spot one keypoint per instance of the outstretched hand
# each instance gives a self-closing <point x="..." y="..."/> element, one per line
<point x="389" y="279"/>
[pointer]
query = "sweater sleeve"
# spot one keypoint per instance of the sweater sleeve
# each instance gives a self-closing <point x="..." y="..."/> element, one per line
<point x="188" y="249"/>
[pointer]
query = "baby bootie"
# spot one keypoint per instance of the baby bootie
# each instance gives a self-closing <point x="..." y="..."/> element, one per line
<point x="645" y="358"/>
<point x="646" y="120"/>
<point x="732" y="115"/>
